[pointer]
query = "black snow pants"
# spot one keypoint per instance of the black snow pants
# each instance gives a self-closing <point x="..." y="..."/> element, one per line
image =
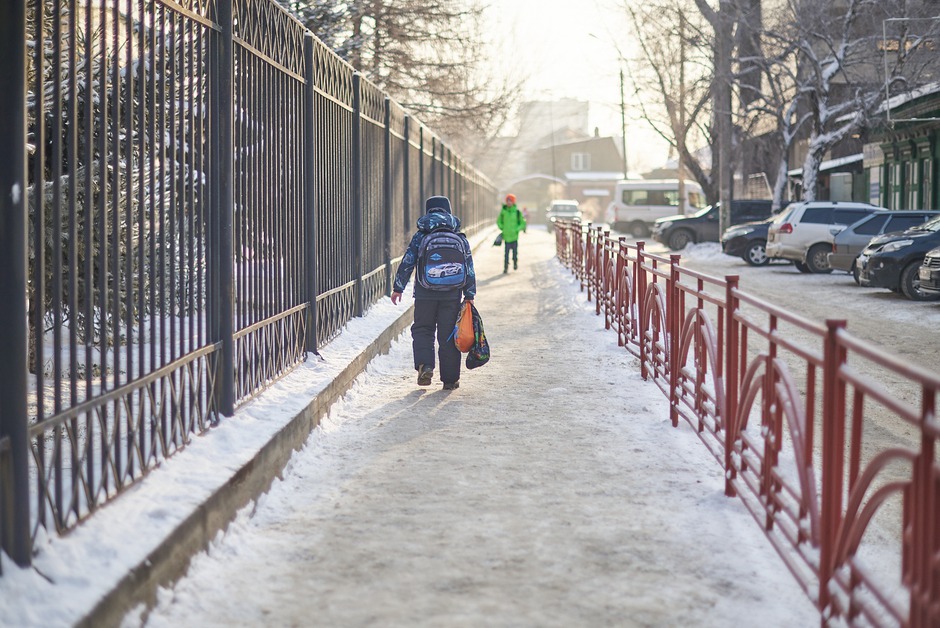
<point x="431" y="315"/>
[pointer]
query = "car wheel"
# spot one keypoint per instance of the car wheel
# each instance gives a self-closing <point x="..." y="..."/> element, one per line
<point x="910" y="283"/>
<point x="817" y="260"/>
<point x="638" y="229"/>
<point x="680" y="239"/>
<point x="756" y="253"/>
<point x="855" y="273"/>
<point x="803" y="268"/>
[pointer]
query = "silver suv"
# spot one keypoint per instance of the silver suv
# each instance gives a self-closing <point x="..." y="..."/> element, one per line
<point x="801" y="232"/>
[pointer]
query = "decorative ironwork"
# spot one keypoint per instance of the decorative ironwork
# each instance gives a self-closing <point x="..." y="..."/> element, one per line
<point x="211" y="194"/>
<point x="757" y="384"/>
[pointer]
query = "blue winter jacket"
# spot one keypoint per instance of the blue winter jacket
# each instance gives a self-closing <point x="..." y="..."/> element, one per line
<point x="435" y="218"/>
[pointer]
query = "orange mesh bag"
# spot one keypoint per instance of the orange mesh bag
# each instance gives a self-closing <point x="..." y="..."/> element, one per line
<point x="463" y="330"/>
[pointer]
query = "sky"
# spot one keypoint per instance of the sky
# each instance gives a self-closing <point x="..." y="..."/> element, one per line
<point x="549" y="489"/>
<point x="573" y="49"/>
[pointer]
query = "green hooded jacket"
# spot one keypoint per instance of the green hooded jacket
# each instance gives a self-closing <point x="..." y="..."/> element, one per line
<point x="510" y="222"/>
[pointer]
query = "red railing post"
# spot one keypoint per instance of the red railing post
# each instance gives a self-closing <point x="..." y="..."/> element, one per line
<point x="640" y="297"/>
<point x="922" y="569"/>
<point x="601" y="272"/>
<point x="833" y="461"/>
<point x="674" y="320"/>
<point x="622" y="311"/>
<point x="729" y="414"/>
<point x="598" y="245"/>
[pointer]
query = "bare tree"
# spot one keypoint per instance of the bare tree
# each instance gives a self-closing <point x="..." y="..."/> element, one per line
<point x="429" y="55"/>
<point x="770" y="97"/>
<point x="676" y="104"/>
<point x="842" y="68"/>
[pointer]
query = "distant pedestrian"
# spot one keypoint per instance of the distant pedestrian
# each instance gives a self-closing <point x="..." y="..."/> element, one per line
<point x="442" y="258"/>
<point x="511" y="223"/>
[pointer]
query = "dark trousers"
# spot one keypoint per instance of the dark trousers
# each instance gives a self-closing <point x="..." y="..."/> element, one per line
<point x="514" y="247"/>
<point x="431" y="315"/>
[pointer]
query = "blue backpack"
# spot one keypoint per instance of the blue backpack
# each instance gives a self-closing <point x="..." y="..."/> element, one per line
<point x="442" y="264"/>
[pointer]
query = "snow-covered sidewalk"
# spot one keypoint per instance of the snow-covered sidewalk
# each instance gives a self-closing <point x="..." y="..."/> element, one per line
<point x="550" y="489"/>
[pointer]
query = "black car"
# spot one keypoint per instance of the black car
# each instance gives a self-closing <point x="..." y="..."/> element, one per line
<point x="893" y="260"/>
<point x="678" y="231"/>
<point x="748" y="241"/>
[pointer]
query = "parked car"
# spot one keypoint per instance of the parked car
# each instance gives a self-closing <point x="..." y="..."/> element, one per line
<point x="748" y="241"/>
<point x="678" y="231"/>
<point x="638" y="203"/>
<point x="894" y="260"/>
<point x="800" y="232"/>
<point x="849" y="242"/>
<point x="930" y="273"/>
<point x="562" y="210"/>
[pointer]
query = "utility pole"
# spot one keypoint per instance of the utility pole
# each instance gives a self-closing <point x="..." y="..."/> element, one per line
<point x="723" y="112"/>
<point x="680" y="136"/>
<point x="623" y="123"/>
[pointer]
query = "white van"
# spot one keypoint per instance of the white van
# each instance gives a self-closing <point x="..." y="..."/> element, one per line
<point x="638" y="203"/>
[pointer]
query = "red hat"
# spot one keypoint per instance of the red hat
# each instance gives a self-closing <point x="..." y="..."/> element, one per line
<point x="510" y="199"/>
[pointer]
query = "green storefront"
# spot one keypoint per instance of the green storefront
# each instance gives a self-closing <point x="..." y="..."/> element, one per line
<point x="900" y="160"/>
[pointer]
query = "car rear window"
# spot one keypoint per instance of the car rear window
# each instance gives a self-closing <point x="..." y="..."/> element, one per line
<point x="902" y="223"/>
<point x="817" y="215"/>
<point x="872" y="226"/>
<point x="848" y="216"/>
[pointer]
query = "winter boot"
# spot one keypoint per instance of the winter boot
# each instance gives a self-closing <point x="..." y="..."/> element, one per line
<point x="451" y="385"/>
<point x="425" y="373"/>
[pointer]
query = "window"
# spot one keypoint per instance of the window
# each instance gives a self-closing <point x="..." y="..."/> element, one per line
<point x="664" y="197"/>
<point x="926" y="185"/>
<point x="580" y="161"/>
<point x="902" y="223"/>
<point x="848" y="216"/>
<point x="912" y="184"/>
<point x="871" y="227"/>
<point x="635" y="197"/>
<point x="897" y="181"/>
<point x="817" y="216"/>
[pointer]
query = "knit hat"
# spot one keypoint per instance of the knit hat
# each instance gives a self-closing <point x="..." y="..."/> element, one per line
<point x="437" y="202"/>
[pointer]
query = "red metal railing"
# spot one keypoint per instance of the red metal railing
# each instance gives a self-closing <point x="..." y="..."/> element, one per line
<point x="854" y="513"/>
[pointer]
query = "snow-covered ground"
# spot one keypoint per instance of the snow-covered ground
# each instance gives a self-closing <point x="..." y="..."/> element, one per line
<point x="549" y="489"/>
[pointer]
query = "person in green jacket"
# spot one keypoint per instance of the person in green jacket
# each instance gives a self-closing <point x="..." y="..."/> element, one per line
<point x="510" y="222"/>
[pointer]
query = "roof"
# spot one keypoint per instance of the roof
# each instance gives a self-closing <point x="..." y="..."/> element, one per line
<point x="594" y="176"/>
<point x="830" y="164"/>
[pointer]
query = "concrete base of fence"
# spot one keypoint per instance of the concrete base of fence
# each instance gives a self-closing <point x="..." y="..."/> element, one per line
<point x="170" y="560"/>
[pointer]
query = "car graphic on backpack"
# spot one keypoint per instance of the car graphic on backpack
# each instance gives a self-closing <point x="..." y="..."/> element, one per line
<point x="445" y="270"/>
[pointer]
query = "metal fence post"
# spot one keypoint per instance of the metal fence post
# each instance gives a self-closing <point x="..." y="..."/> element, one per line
<point x="421" y="181"/>
<point x="14" y="477"/>
<point x="387" y="194"/>
<point x="406" y="170"/>
<point x="732" y="380"/>
<point x="225" y="209"/>
<point x="833" y="464"/>
<point x="356" y="191"/>
<point x="310" y="196"/>
<point x="674" y="317"/>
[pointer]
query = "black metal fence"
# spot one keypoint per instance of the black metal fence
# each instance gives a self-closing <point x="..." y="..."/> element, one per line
<point x="196" y="194"/>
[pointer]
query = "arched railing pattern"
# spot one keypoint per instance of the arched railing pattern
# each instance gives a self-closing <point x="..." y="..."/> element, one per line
<point x="798" y="432"/>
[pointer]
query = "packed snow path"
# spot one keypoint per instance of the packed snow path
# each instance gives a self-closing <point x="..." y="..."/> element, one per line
<point x="550" y="489"/>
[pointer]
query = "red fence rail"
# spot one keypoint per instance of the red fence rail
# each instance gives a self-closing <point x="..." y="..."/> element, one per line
<point x="829" y="441"/>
